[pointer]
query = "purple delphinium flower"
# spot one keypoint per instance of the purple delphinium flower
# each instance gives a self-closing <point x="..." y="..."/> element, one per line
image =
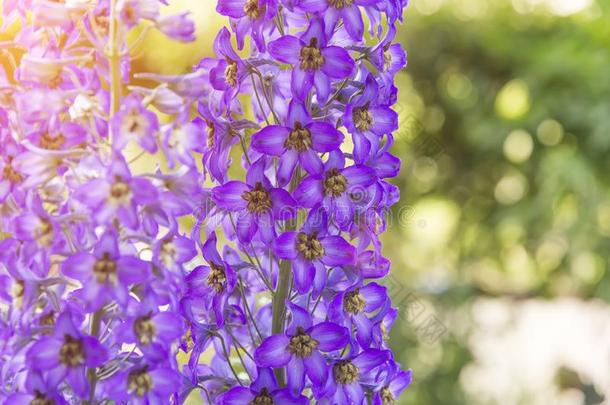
<point x="134" y="122"/>
<point x="311" y="249"/>
<point x="299" y="141"/>
<point x="264" y="389"/>
<point x="339" y="189"/>
<point x="229" y="70"/>
<point x="144" y="384"/>
<point x="394" y="386"/>
<point x="249" y="16"/>
<point x="65" y="354"/>
<point x="348" y="375"/>
<point x="299" y="349"/>
<point x="315" y="63"/>
<point x="335" y="10"/>
<point x="38" y="390"/>
<point x="152" y="330"/>
<point x="256" y="203"/>
<point x="368" y="119"/>
<point x="118" y="195"/>
<point x="177" y="26"/>
<point x="105" y="274"/>
<point x="361" y="307"/>
<point x="211" y="284"/>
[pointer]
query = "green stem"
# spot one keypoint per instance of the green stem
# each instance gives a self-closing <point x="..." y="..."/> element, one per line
<point x="284" y="285"/>
<point x="96" y="323"/>
<point x="114" y="59"/>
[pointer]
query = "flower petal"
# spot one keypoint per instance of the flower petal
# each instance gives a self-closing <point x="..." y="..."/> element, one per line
<point x="304" y="272"/>
<point x="309" y="192"/>
<point x="286" y="49"/>
<point x="231" y="8"/>
<point x="325" y="137"/>
<point x="370" y="358"/>
<point x="237" y="396"/>
<point x="44" y="354"/>
<point x="311" y="162"/>
<point x="337" y="251"/>
<point x="288" y="162"/>
<point x="132" y="270"/>
<point x="79" y="266"/>
<point x="337" y="62"/>
<point x="273" y="352"/>
<point x="352" y="20"/>
<point x="229" y="195"/>
<point x="385" y="120"/>
<point x="246" y="227"/>
<point x="270" y="140"/>
<point x="301" y="83"/>
<point x="283" y="205"/>
<point x="285" y="246"/>
<point x="316" y="368"/>
<point x="374" y="295"/>
<point x="295" y="372"/>
<point x="330" y="336"/>
<point x="359" y="175"/>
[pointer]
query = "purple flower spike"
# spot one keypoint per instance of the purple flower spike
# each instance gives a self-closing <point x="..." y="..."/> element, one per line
<point x="209" y="233"/>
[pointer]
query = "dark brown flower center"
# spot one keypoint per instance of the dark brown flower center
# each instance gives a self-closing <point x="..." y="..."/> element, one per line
<point x="387" y="61"/>
<point x="231" y="73"/>
<point x="134" y="122"/>
<point x="120" y="192"/>
<point x="105" y="269"/>
<point x="309" y="246"/>
<point x="72" y="352"/>
<point x="362" y="118"/>
<point x="47" y="319"/>
<point x="144" y="329"/>
<point x="44" y="232"/>
<point x="41" y="399"/>
<point x="387" y="398"/>
<point x="353" y="302"/>
<point x="311" y="57"/>
<point x="258" y="199"/>
<point x="102" y="22"/>
<point x="335" y="184"/>
<point x="339" y="4"/>
<point x="299" y="138"/>
<point x="252" y="9"/>
<point x="50" y="142"/>
<point x="217" y="277"/>
<point x="139" y="382"/>
<point x="263" y="398"/>
<point x="10" y="174"/>
<point x="345" y="372"/>
<point x="211" y="133"/>
<point x="301" y="344"/>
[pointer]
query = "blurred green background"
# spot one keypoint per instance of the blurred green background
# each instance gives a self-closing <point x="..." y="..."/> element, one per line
<point x="500" y="243"/>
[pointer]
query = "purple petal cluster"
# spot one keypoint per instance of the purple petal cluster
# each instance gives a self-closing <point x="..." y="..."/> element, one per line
<point x="213" y="234"/>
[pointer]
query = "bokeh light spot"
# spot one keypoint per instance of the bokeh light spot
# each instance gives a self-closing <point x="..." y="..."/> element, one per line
<point x="513" y="100"/>
<point x="550" y="132"/>
<point x="518" y="146"/>
<point x="511" y="188"/>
